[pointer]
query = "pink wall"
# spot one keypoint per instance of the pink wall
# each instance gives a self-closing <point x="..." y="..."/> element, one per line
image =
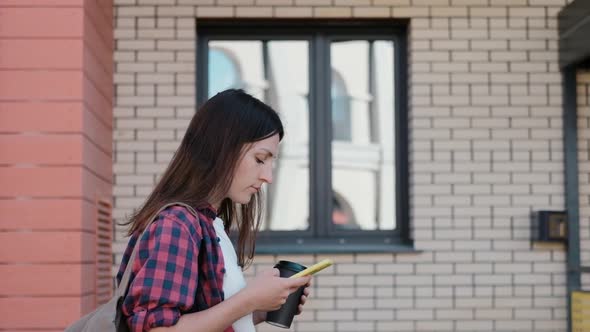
<point x="56" y="97"/>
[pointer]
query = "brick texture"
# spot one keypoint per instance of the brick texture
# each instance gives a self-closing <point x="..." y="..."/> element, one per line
<point x="56" y="143"/>
<point x="485" y="150"/>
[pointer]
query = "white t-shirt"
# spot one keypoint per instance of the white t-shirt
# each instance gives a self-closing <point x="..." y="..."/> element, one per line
<point x="233" y="279"/>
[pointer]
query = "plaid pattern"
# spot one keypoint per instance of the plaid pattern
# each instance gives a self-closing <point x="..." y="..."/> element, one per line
<point x="179" y="269"/>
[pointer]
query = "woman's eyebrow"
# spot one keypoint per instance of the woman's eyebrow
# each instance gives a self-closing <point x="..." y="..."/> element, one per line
<point x="268" y="151"/>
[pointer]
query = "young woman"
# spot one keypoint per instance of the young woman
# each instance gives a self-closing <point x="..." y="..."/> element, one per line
<point x="187" y="275"/>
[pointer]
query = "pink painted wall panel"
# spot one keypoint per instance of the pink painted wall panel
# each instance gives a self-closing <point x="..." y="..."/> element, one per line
<point x="57" y="22"/>
<point x="43" y="247"/>
<point x="96" y="129"/>
<point x="33" y="214"/>
<point x="23" y="279"/>
<point x="42" y="3"/>
<point x="41" y="85"/>
<point x="98" y="43"/>
<point x="41" y="54"/>
<point x="34" y="116"/>
<point x="94" y="186"/>
<point x="101" y="14"/>
<point x="41" y="149"/>
<point x="99" y="103"/>
<point x="61" y="182"/>
<point x="98" y="73"/>
<point x="55" y="150"/>
<point x="98" y="160"/>
<point x="50" y="313"/>
<point x="56" y="99"/>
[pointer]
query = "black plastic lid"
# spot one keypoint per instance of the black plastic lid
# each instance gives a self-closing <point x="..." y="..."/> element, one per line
<point x="290" y="266"/>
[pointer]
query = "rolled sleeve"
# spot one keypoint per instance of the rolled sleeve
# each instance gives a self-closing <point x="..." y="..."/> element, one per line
<point x="143" y="320"/>
<point x="166" y="279"/>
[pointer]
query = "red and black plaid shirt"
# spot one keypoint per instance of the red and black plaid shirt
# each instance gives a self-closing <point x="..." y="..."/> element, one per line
<point x="179" y="269"/>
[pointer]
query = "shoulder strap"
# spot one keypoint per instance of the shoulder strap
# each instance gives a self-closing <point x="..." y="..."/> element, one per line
<point x="122" y="288"/>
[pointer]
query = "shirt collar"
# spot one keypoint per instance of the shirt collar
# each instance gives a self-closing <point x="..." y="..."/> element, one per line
<point x="208" y="210"/>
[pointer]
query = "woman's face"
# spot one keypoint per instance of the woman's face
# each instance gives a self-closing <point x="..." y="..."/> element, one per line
<point x="254" y="169"/>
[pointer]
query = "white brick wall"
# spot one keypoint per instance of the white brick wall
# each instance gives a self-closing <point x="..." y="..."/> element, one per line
<point x="486" y="150"/>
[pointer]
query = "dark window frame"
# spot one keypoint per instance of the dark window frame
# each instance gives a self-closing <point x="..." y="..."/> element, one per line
<point x="319" y="33"/>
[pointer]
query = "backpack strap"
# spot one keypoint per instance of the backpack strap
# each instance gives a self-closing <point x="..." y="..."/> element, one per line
<point x="122" y="287"/>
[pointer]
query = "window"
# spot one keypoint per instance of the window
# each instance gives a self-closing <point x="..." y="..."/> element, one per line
<point x="340" y="108"/>
<point x="341" y="181"/>
<point x="226" y="69"/>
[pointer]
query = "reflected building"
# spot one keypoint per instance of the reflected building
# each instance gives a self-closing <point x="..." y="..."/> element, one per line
<point x="362" y="116"/>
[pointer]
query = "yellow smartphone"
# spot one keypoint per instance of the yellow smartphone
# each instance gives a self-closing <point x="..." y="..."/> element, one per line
<point x="313" y="269"/>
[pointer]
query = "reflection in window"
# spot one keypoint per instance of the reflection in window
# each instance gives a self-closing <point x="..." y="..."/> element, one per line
<point x="362" y="157"/>
<point x="277" y="73"/>
<point x="225" y="72"/>
<point x="340" y="109"/>
<point x="363" y="163"/>
<point x="342" y="213"/>
<point x="287" y="78"/>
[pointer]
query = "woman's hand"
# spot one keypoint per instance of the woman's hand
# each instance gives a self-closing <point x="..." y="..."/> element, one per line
<point x="258" y="317"/>
<point x="268" y="291"/>
<point x="303" y="298"/>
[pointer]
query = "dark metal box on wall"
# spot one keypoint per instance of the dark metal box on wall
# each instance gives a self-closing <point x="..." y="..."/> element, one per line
<point x="549" y="226"/>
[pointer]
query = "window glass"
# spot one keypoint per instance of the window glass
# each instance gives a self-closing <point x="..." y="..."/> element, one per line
<point x="276" y="72"/>
<point x="363" y="183"/>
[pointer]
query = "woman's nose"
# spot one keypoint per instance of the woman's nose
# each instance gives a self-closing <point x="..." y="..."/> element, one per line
<point x="266" y="174"/>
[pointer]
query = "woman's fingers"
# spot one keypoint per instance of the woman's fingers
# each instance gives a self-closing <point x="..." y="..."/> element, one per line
<point x="306" y="291"/>
<point x="302" y="301"/>
<point x="295" y="283"/>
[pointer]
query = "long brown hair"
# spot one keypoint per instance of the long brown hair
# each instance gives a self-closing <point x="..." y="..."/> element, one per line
<point x="202" y="168"/>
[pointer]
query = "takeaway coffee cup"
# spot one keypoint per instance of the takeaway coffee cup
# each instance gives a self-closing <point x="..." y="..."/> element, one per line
<point x="284" y="316"/>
